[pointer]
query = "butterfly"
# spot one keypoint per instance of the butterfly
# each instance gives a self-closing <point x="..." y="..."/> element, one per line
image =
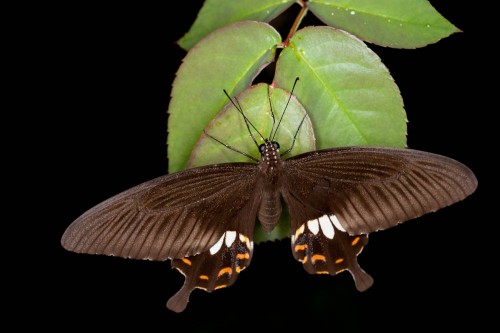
<point x="203" y="218"/>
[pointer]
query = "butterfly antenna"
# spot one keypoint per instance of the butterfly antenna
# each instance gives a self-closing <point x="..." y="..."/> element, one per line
<point x="286" y="106"/>
<point x="230" y="147"/>
<point x="248" y="123"/>
<point x="271" y="134"/>
<point x="295" y="136"/>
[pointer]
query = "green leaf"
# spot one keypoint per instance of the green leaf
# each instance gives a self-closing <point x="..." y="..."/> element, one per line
<point x="349" y="94"/>
<point x="229" y="127"/>
<point x="394" y="23"/>
<point x="229" y="58"/>
<point x="218" y="13"/>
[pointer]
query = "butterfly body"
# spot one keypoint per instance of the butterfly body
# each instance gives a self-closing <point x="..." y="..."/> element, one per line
<point x="270" y="167"/>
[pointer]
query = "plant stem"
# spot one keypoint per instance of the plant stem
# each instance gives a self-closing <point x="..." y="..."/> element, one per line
<point x="297" y="22"/>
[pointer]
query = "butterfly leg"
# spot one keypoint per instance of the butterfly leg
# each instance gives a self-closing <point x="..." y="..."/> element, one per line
<point x="324" y="248"/>
<point x="214" y="269"/>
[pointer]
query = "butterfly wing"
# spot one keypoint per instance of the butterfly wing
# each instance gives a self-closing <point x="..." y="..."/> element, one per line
<point x="214" y="269"/>
<point x="340" y="195"/>
<point x="173" y="216"/>
<point x="375" y="188"/>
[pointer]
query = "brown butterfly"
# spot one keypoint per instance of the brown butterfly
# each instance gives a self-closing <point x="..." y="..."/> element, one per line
<point x="203" y="218"/>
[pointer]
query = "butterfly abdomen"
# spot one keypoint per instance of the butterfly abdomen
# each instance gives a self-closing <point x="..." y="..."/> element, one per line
<point x="270" y="210"/>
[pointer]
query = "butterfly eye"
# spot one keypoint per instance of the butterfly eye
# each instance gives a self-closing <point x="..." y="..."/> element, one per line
<point x="262" y="148"/>
<point x="276" y="145"/>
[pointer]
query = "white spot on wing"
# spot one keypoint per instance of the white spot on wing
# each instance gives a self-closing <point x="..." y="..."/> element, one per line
<point x="243" y="238"/>
<point x="299" y="231"/>
<point x="216" y="247"/>
<point x="230" y="237"/>
<point x="313" y="225"/>
<point x="336" y="223"/>
<point x="326" y="226"/>
<point x="246" y="240"/>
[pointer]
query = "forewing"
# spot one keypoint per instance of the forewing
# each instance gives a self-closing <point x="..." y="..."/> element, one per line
<point x="372" y="188"/>
<point x="173" y="216"/>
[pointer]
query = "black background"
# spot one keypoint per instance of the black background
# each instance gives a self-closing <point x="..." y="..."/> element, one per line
<point x="106" y="81"/>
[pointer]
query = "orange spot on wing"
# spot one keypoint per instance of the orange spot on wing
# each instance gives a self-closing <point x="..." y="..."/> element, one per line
<point x="220" y="286"/>
<point x="338" y="261"/>
<point x="322" y="272"/>
<point x="316" y="257"/>
<point x="242" y="256"/>
<point x="355" y="241"/>
<point x="300" y="247"/>
<point x="203" y="277"/>
<point x="187" y="261"/>
<point x="225" y="270"/>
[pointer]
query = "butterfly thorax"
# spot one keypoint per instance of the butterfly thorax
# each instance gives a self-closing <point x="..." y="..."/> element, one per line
<point x="270" y="165"/>
<point x="270" y="161"/>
